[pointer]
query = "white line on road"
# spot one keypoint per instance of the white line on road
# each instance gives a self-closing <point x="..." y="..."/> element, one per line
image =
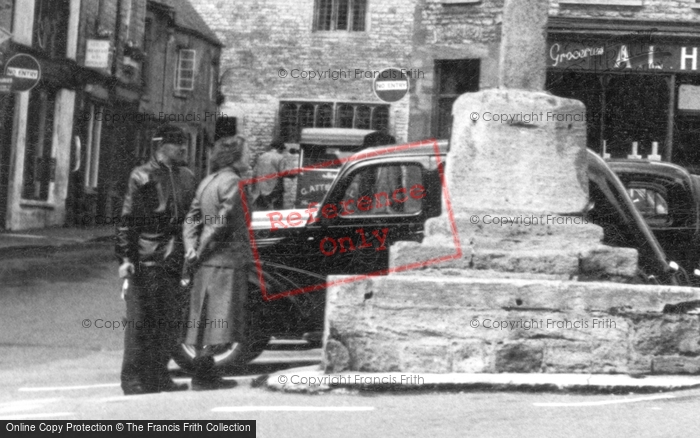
<point x="68" y="388"/>
<point x="40" y="415"/>
<point x="606" y="402"/>
<point x="293" y="408"/>
<point x="25" y="404"/>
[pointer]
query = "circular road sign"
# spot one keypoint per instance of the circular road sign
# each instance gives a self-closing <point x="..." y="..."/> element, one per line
<point x="391" y="84"/>
<point x="25" y="70"/>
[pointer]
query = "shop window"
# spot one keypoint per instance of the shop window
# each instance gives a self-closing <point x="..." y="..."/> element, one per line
<point x="345" y="116"/>
<point x="184" y="78"/>
<point x="51" y="27"/>
<point x="454" y="77"/>
<point x="362" y="120"/>
<point x="295" y="116"/>
<point x="324" y="116"/>
<point x="92" y="146"/>
<point x="380" y="119"/>
<point x="306" y="116"/>
<point x="347" y="15"/>
<point x="38" y="164"/>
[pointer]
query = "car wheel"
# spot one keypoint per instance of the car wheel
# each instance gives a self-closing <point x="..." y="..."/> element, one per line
<point x="237" y="354"/>
<point x="234" y="355"/>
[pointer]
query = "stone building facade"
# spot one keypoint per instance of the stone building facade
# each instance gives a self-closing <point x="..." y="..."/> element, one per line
<point x="111" y="72"/>
<point x="453" y="47"/>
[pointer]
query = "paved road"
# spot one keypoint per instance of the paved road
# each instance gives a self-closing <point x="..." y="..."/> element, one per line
<point x="51" y="367"/>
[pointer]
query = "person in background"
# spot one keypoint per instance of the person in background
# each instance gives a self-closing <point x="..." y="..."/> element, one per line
<point x="150" y="252"/>
<point x="270" y="192"/>
<point x="218" y="245"/>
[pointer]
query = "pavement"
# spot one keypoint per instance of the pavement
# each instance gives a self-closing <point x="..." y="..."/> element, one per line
<point x="312" y="379"/>
<point x="28" y="243"/>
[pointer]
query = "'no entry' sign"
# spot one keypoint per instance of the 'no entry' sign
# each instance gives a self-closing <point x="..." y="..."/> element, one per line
<point x="390" y="85"/>
<point x="25" y="71"/>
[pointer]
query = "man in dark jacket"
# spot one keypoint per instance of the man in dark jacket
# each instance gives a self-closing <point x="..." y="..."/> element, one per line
<point x="150" y="251"/>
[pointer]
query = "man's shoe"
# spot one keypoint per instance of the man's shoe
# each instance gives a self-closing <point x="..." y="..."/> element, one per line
<point x="138" y="389"/>
<point x="170" y="386"/>
<point x="199" y="384"/>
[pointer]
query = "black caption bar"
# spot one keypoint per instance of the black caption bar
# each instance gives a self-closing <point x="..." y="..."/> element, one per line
<point x="28" y="428"/>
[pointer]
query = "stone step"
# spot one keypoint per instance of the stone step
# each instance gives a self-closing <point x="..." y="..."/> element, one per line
<point x="445" y="324"/>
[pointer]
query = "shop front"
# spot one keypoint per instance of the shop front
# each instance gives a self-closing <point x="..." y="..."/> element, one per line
<point x="640" y="84"/>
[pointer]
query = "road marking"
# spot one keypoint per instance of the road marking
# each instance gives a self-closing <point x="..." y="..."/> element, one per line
<point x="606" y="402"/>
<point x="293" y="408"/>
<point x="25" y="405"/>
<point x="40" y="415"/>
<point x="69" y="388"/>
<point x="76" y="387"/>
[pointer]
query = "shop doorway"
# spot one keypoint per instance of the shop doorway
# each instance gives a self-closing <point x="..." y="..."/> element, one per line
<point x="636" y="109"/>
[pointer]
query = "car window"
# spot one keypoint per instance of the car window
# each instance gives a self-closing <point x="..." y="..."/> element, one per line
<point x="385" y="190"/>
<point x="652" y="204"/>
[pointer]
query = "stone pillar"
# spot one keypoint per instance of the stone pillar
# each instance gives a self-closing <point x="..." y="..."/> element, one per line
<point x="532" y="170"/>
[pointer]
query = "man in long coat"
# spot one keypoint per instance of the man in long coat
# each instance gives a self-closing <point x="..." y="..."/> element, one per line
<point x="150" y="252"/>
<point x="217" y="241"/>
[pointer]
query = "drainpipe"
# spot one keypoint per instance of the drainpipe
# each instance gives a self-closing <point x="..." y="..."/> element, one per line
<point x="171" y="39"/>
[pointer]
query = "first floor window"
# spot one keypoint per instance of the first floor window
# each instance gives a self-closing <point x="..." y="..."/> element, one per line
<point x="185" y="70"/>
<point x="295" y="116"/>
<point x="347" y="15"/>
<point x="38" y="163"/>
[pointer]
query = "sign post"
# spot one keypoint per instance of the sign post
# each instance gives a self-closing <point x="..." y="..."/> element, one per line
<point x="390" y="85"/>
<point x="24" y="70"/>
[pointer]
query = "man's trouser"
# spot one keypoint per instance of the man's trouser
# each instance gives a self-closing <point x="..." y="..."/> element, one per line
<point x="155" y="308"/>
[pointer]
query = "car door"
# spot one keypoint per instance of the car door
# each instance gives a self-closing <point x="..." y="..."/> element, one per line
<point x="370" y="208"/>
<point x="667" y="206"/>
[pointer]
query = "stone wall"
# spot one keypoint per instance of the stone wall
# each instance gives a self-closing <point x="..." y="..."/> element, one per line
<point x="263" y="36"/>
<point x="661" y="10"/>
<point x="467" y="325"/>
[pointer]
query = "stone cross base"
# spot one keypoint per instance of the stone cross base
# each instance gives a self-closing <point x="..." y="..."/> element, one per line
<point x="545" y="246"/>
<point x="448" y="324"/>
<point x="514" y="301"/>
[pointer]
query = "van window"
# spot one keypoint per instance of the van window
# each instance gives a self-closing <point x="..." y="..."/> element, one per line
<point x="395" y="189"/>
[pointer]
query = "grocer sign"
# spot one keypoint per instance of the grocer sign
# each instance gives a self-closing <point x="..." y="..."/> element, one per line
<point x="621" y="56"/>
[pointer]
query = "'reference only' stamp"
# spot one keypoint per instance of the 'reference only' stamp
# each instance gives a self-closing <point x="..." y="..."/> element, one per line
<point x="372" y="208"/>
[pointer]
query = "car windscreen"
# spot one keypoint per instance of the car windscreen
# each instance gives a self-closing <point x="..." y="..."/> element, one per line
<point x="316" y="155"/>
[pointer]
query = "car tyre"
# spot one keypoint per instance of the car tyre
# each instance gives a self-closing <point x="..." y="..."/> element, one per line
<point x="237" y="354"/>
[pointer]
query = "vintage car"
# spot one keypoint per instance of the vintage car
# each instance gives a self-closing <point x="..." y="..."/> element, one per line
<point x="668" y="197"/>
<point x="343" y="237"/>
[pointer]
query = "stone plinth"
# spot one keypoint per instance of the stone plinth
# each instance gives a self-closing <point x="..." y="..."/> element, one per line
<point x="515" y="299"/>
<point x="448" y="324"/>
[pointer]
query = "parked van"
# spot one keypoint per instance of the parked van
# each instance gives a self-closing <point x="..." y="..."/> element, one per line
<point x="321" y="146"/>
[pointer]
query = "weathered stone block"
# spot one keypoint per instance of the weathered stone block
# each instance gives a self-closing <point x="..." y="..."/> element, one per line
<point x="519" y="357"/>
<point x="667" y="335"/>
<point x="469" y="356"/>
<point x="494" y="161"/>
<point x="676" y="365"/>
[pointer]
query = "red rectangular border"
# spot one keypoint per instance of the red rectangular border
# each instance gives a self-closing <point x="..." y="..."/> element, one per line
<point x="340" y="161"/>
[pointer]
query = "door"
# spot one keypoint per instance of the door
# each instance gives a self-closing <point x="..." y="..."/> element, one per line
<point x="373" y="207"/>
